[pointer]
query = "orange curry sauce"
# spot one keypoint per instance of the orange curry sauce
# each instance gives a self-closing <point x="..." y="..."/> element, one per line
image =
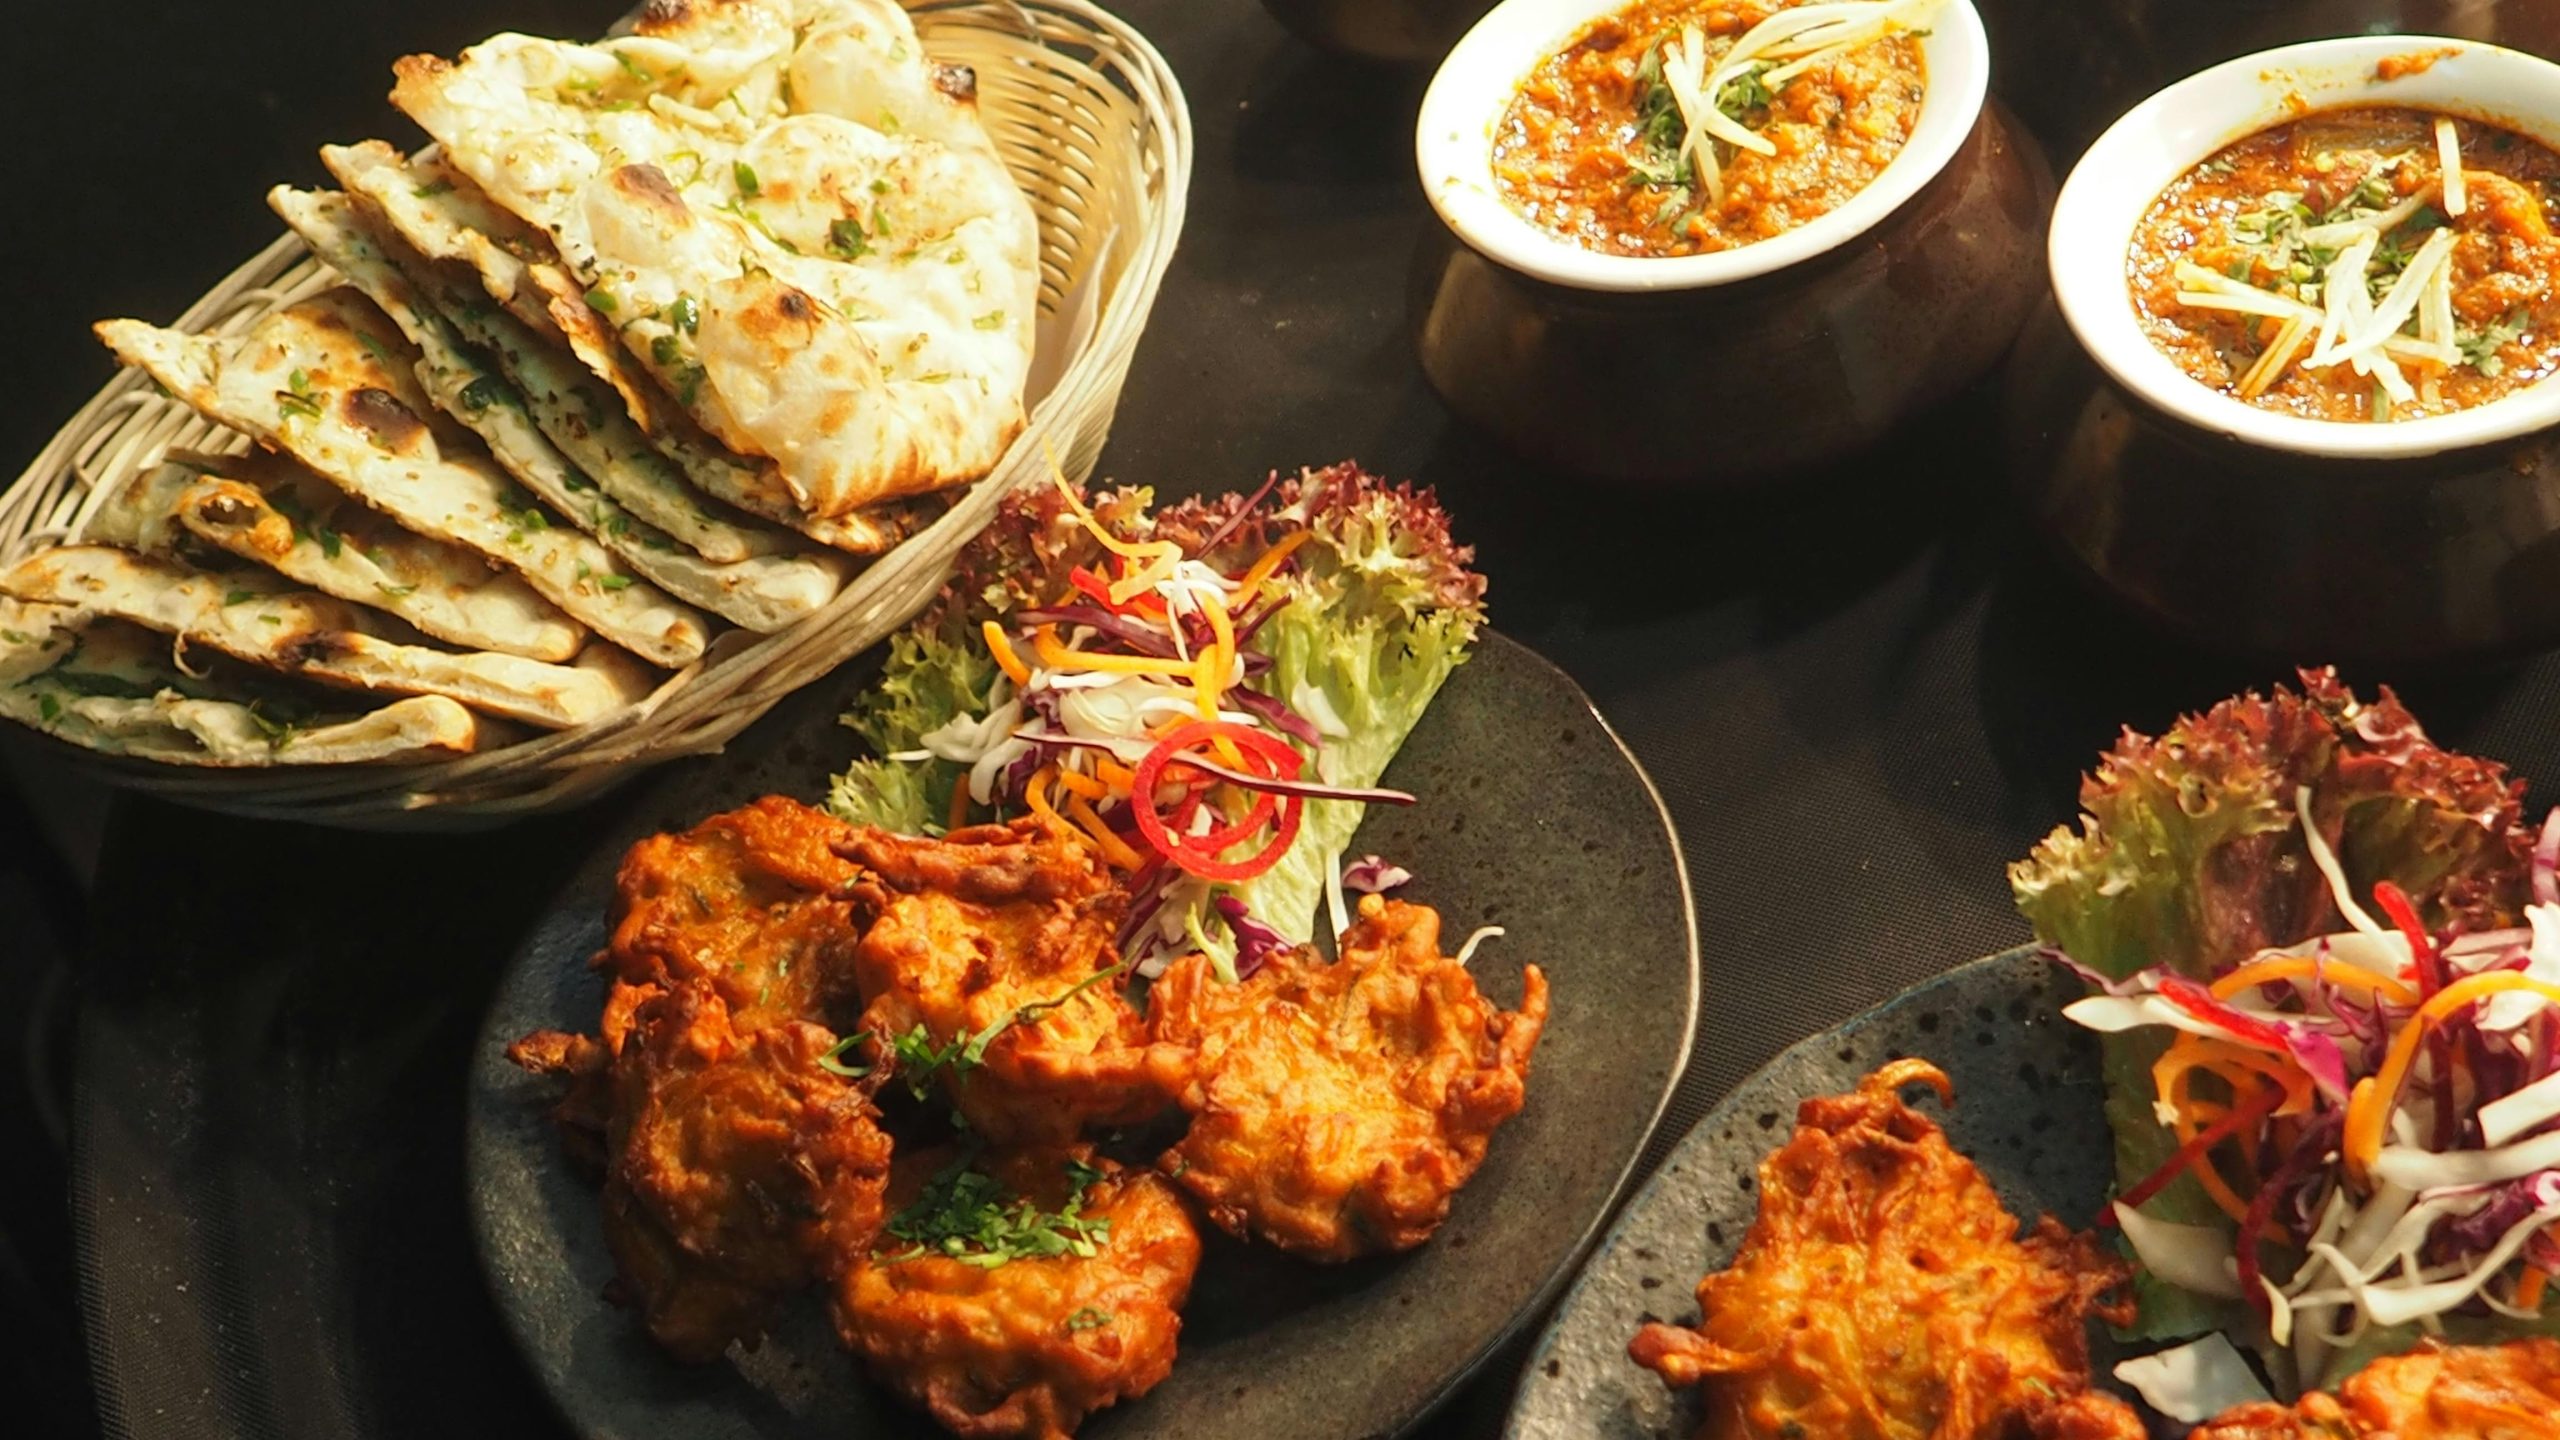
<point x="1575" y="154"/>
<point x="2244" y="214"/>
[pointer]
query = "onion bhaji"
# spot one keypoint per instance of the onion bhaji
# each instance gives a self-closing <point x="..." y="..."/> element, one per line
<point x="1084" y="1316"/>
<point x="2463" y="1392"/>
<point x="1336" y="1108"/>
<point x="739" y="1169"/>
<point x="747" y="901"/>
<point x="991" y="951"/>
<point x="1884" y="1294"/>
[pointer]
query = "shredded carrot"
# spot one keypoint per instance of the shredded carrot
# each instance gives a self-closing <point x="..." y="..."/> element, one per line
<point x="1058" y="656"/>
<point x="1114" y="774"/>
<point x="2369" y="1108"/>
<point x="2193" y="1117"/>
<point x="1113" y="848"/>
<point x="959" y="803"/>
<point x="2344" y="976"/>
<point x="1035" y="793"/>
<point x="2234" y="1064"/>
<point x="2529" y="1285"/>
<point x="1252" y="579"/>
<point x="1080" y="784"/>
<point x="1002" y="648"/>
<point x="1158" y="556"/>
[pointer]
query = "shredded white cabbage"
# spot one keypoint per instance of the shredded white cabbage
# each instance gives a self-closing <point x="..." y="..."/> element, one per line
<point x="2196" y="1258"/>
<point x="2196" y="1381"/>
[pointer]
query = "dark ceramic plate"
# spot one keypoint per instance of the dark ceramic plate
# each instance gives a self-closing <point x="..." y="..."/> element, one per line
<point x="2028" y="1111"/>
<point x="1533" y="817"/>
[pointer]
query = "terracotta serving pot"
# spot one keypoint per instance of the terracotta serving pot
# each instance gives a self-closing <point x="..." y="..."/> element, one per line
<point x="2435" y="539"/>
<point x="1392" y="32"/>
<point x="1733" y="367"/>
<point x="2072" y="66"/>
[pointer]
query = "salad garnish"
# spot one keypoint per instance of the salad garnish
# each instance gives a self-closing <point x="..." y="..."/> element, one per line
<point x="1205" y="695"/>
<point x="2325" y="955"/>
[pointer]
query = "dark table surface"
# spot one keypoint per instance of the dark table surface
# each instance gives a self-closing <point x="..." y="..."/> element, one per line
<point x="1861" y="696"/>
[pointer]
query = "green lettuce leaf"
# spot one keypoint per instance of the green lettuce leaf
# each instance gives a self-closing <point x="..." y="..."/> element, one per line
<point x="927" y="682"/>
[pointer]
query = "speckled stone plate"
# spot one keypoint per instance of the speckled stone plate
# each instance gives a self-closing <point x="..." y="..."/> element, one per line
<point x="2028" y="1111"/>
<point x="1532" y="816"/>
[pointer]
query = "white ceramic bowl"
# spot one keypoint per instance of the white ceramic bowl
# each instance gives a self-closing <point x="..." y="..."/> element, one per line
<point x="2163" y="138"/>
<point x="1460" y="113"/>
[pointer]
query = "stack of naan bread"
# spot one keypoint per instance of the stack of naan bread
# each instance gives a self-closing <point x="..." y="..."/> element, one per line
<point x="663" y="336"/>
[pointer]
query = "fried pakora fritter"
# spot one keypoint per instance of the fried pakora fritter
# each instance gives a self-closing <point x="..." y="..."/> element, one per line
<point x="1884" y="1294"/>
<point x="1030" y="1346"/>
<point x="738" y="1169"/>
<point x="992" y="948"/>
<point x="1337" y="1107"/>
<point x="2437" y="1392"/>
<point x="746" y="901"/>
<point x="701" y="1100"/>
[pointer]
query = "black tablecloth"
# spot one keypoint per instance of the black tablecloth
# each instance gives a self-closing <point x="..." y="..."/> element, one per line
<point x="1861" y="694"/>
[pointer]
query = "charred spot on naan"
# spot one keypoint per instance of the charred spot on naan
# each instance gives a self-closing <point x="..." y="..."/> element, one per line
<point x="958" y="83"/>
<point x="391" y="426"/>
<point x="648" y="187"/>
<point x="242" y="512"/>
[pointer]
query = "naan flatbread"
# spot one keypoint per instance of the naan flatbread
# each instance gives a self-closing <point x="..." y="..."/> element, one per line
<point x="269" y="511"/>
<point x="253" y="617"/>
<point x="111" y="687"/>
<point x="441" y="213"/>
<point x="330" y="382"/>
<point x="814" y="278"/>
<point x="761" y="593"/>
<point x="647" y="453"/>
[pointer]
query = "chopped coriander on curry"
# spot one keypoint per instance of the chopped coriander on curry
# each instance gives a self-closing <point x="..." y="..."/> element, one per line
<point x="1677" y="127"/>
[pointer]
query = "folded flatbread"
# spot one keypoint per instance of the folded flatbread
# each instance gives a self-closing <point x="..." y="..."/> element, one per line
<point x="111" y="687"/>
<point x="791" y="215"/>
<point x="763" y="593"/>
<point x="269" y="511"/>
<point x="648" y="453"/>
<point x="253" y="617"/>
<point x="330" y="382"/>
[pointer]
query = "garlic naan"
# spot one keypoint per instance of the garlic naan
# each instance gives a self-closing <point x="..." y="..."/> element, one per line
<point x="330" y="382"/>
<point x="791" y="214"/>
<point x="269" y="511"/>
<point x="111" y="687"/>
<point x="763" y="593"/>
<point x="645" y="452"/>
<point x="252" y="617"/>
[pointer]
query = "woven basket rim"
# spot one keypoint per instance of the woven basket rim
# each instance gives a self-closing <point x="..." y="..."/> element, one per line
<point x="1113" y="101"/>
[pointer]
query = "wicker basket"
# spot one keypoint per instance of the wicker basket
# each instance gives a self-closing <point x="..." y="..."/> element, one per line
<point x="1092" y="124"/>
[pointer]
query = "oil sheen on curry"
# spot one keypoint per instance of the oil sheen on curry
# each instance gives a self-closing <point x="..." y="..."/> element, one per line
<point x="2361" y="264"/>
<point x="1685" y="127"/>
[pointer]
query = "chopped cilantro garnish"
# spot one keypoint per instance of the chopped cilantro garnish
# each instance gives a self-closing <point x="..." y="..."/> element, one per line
<point x="2480" y="348"/>
<point x="297" y="402"/>
<point x="835" y="1063"/>
<point x="972" y="1217"/>
<point x="484" y="392"/>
